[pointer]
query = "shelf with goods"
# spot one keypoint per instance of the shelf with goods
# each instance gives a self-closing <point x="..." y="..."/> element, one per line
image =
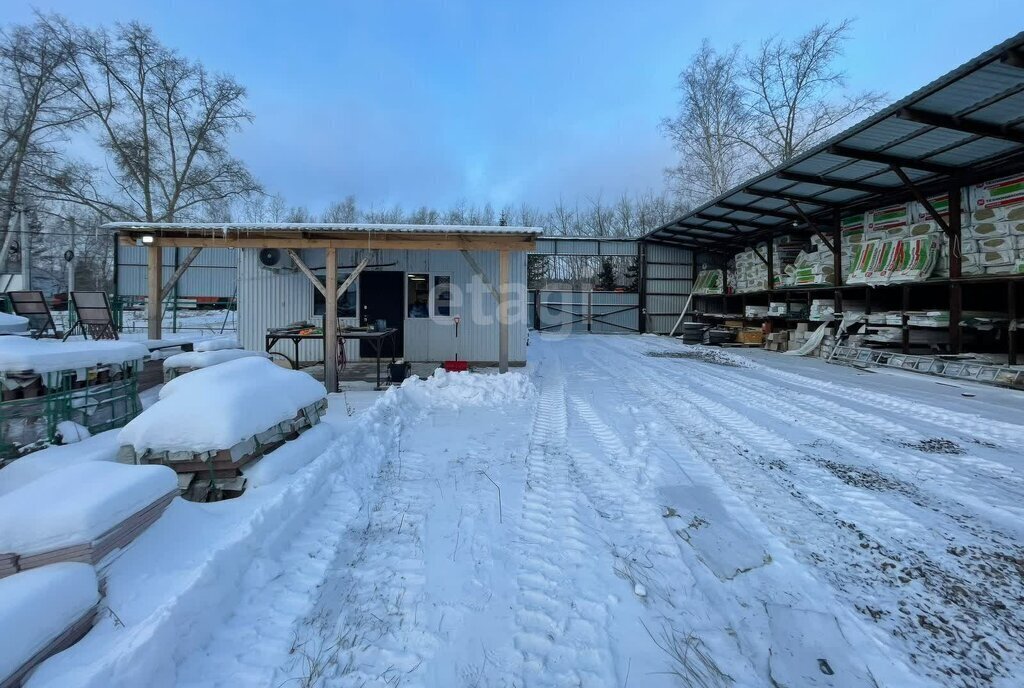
<point x="899" y="260"/>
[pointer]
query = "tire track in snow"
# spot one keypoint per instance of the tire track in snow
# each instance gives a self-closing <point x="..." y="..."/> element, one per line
<point x="716" y="464"/>
<point x="367" y="627"/>
<point x="941" y="573"/>
<point x="257" y="637"/>
<point x="998" y="495"/>
<point x="562" y="643"/>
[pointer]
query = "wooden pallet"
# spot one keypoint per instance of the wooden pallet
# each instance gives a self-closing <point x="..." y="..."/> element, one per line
<point x="121" y="535"/>
<point x="214" y="475"/>
<point x="71" y="635"/>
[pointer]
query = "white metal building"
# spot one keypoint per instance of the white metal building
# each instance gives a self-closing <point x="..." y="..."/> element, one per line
<point x="429" y="281"/>
<point x="272" y="297"/>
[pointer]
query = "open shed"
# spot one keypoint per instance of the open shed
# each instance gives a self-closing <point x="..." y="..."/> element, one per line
<point x="428" y="281"/>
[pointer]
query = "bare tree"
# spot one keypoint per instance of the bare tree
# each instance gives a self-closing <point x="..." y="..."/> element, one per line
<point x="36" y="107"/>
<point x="710" y="129"/>
<point x="342" y="212"/>
<point x="738" y="115"/>
<point x="164" y="122"/>
<point x="796" y="95"/>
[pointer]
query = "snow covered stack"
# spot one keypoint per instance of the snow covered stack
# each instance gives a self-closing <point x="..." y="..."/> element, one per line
<point x="187" y="361"/>
<point x="13" y="324"/>
<point x="43" y="612"/>
<point x="215" y="420"/>
<point x="81" y="513"/>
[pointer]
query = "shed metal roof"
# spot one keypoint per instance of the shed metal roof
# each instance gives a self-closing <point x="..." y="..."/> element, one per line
<point x="207" y="228"/>
<point x="964" y="127"/>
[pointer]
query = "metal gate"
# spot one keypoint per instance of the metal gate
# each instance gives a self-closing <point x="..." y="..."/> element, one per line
<point x="597" y="312"/>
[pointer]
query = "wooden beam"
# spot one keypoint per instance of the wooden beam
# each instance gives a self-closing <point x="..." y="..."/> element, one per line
<point x="154" y="312"/>
<point x="480" y="273"/>
<point x="352" y="276"/>
<point x="887" y="159"/>
<point x="961" y="124"/>
<point x="799" y="198"/>
<point x="814" y="227"/>
<point x="742" y="223"/>
<point x="822" y="180"/>
<point x="166" y="290"/>
<point x="1014" y="57"/>
<point x="331" y="322"/>
<point x="756" y="211"/>
<point x="429" y="243"/>
<point x="304" y="269"/>
<point x="923" y="200"/>
<point x="504" y="287"/>
<point x="710" y="230"/>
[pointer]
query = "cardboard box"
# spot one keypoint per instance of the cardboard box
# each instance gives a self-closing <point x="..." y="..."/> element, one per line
<point x="750" y="335"/>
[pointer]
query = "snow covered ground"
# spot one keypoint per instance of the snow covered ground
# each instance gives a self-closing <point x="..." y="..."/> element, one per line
<point x="628" y="511"/>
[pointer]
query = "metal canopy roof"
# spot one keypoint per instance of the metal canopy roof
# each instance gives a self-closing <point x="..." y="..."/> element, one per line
<point x="965" y="127"/>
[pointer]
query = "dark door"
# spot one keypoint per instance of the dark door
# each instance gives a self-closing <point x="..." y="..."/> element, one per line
<point x="383" y="298"/>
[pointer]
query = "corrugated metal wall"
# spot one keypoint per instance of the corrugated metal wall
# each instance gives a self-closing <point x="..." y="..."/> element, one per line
<point x="267" y="299"/>
<point x="668" y="278"/>
<point x="611" y="312"/>
<point x="212" y="273"/>
<point x="573" y="246"/>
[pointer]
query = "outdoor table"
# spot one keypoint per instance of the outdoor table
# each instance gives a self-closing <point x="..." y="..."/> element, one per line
<point x="296" y="335"/>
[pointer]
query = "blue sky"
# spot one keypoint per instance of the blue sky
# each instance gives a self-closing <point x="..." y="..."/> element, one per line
<point x="423" y="102"/>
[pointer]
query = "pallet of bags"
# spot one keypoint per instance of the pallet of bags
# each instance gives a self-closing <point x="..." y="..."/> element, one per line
<point x="42" y="612"/>
<point x="709" y="282"/>
<point x="82" y="513"/>
<point x="210" y="423"/>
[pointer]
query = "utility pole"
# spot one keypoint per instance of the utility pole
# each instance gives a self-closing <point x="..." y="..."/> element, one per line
<point x="26" y="253"/>
<point x="70" y="258"/>
<point x="5" y="250"/>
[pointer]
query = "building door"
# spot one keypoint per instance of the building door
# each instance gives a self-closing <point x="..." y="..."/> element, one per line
<point x="383" y="298"/>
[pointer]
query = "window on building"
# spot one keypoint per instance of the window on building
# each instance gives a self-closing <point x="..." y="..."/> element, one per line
<point x="418" y="295"/>
<point x="442" y="295"/>
<point x="347" y="302"/>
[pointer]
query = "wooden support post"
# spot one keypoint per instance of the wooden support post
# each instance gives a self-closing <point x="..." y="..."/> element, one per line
<point x="926" y="204"/>
<point x="837" y="261"/>
<point x="352" y="276"/>
<point x="904" y="318"/>
<point x="166" y="291"/>
<point x="953" y="230"/>
<point x="641" y="286"/>
<point x="475" y="266"/>
<point x="1012" y="312"/>
<point x="331" y="322"/>
<point x="154" y="312"/>
<point x="304" y="269"/>
<point x="503" y="289"/>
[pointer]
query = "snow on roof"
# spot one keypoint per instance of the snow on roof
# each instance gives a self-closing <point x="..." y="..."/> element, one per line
<point x="24" y="355"/>
<point x="77" y="504"/>
<point x="218" y="407"/>
<point x="36" y="606"/>
<point x="319" y="227"/>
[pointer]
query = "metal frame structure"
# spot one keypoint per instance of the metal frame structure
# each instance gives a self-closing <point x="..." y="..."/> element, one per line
<point x="964" y="128"/>
<point x="330" y="237"/>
